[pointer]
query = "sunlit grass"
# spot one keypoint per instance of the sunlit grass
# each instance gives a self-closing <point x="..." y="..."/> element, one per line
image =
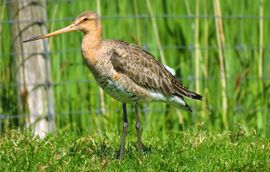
<point x="188" y="151"/>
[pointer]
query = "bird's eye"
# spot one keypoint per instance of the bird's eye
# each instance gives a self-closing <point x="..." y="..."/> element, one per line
<point x="85" y="19"/>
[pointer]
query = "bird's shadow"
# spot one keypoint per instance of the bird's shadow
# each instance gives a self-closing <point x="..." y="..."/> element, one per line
<point x="104" y="149"/>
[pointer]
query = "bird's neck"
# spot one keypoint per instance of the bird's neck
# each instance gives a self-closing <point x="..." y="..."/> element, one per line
<point x="92" y="38"/>
<point x="91" y="44"/>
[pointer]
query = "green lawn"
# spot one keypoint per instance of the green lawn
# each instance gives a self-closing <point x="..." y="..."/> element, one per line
<point x="185" y="150"/>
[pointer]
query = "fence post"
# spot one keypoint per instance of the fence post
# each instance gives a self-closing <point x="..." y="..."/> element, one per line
<point x="32" y="65"/>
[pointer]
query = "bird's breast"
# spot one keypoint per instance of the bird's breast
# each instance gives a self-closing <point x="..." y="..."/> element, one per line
<point x="118" y="92"/>
<point x="109" y="80"/>
<point x="89" y="57"/>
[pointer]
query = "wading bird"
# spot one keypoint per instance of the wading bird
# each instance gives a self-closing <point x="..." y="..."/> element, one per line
<point x="125" y="71"/>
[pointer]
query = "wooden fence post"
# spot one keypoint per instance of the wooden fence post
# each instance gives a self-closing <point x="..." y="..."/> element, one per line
<point x="32" y="65"/>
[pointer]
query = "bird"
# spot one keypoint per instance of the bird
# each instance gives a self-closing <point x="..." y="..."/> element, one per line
<point x="125" y="71"/>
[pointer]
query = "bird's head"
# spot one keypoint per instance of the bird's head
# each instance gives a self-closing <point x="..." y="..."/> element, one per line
<point x="85" y="22"/>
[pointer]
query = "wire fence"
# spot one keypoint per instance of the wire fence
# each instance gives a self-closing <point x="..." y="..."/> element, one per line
<point x="146" y="47"/>
<point x="145" y="16"/>
<point x="240" y="47"/>
<point x="190" y="78"/>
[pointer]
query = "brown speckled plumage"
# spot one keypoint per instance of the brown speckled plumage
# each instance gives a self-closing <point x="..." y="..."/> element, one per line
<point x="125" y="71"/>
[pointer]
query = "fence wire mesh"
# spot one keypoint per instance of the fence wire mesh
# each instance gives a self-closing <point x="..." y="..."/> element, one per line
<point x="243" y="50"/>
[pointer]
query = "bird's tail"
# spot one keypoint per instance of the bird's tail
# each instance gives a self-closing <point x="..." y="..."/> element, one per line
<point x="192" y="95"/>
<point x="179" y="102"/>
<point x="182" y="91"/>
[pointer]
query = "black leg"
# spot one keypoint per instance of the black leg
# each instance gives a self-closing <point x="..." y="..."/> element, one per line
<point x="139" y="131"/>
<point x="122" y="146"/>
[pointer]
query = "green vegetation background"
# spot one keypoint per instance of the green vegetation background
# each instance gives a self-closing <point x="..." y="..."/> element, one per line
<point x="77" y="97"/>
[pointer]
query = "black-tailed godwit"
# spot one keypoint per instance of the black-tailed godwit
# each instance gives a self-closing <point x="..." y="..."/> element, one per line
<point x="125" y="71"/>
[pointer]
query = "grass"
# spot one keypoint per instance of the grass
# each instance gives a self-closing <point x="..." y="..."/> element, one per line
<point x="177" y="151"/>
<point x="171" y="28"/>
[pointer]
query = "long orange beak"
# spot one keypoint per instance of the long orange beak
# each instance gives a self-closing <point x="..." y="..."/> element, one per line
<point x="69" y="28"/>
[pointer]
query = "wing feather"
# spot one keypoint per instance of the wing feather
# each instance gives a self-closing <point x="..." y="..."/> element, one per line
<point x="144" y="70"/>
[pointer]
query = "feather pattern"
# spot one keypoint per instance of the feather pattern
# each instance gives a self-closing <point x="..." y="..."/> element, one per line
<point x="144" y="70"/>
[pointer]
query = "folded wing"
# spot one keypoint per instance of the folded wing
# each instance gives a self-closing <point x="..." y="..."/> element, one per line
<point x="147" y="72"/>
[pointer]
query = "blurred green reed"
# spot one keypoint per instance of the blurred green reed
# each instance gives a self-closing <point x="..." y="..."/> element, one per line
<point x="185" y="33"/>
